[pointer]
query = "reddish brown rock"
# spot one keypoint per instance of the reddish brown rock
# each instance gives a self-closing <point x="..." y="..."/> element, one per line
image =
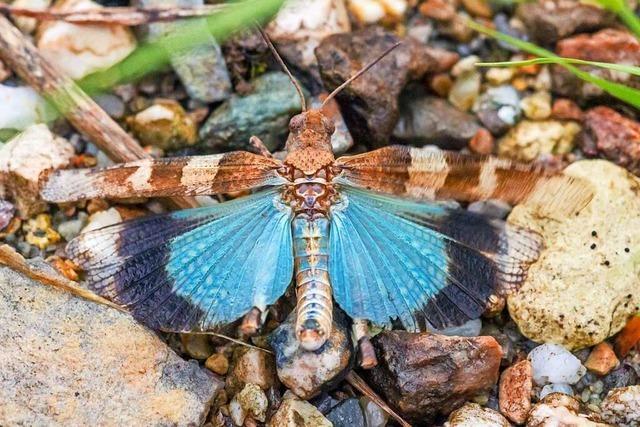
<point x="424" y="375"/>
<point x="440" y="10"/>
<point x="482" y="142"/>
<point x="566" y="109"/>
<point x="609" y="45"/>
<point x="250" y="366"/>
<point x="516" y="384"/>
<point x="610" y="135"/>
<point x="629" y="337"/>
<point x="551" y="20"/>
<point x="370" y="104"/>
<point x="602" y="359"/>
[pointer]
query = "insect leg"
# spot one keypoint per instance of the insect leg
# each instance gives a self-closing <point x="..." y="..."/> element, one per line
<point x="251" y="322"/>
<point x="366" y="353"/>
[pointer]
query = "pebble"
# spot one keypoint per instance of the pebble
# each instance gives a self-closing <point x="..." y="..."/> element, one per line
<point x="566" y="109"/>
<point x="70" y="229"/>
<point x="482" y="142"/>
<point x="537" y="106"/>
<point x="217" y="363"/>
<point x="440" y="10"/>
<point x="201" y="69"/>
<point x="79" y="50"/>
<point x="423" y="374"/>
<point x="265" y="112"/>
<point x="24" y="162"/>
<point x="531" y="139"/>
<point x="94" y="365"/>
<point x="498" y="108"/>
<point x="516" y="385"/>
<point x="297" y="413"/>
<point x="629" y="337"/>
<point x="558" y="409"/>
<point x="583" y="254"/>
<point x="347" y="413"/>
<point x="621" y="407"/>
<point x="374" y="415"/>
<point x="474" y="415"/>
<point x="111" y="104"/>
<point x="250" y="366"/>
<point x="165" y="124"/>
<point x="479" y="8"/>
<point x="552" y="363"/>
<point x="7" y="210"/>
<point x="555" y="388"/>
<point x="21" y="107"/>
<point x="602" y="359"/>
<point x="465" y="90"/>
<point x="250" y="401"/>
<point x="499" y="76"/>
<point x="197" y="346"/>
<point x="610" y="135"/>
<point x="307" y="373"/>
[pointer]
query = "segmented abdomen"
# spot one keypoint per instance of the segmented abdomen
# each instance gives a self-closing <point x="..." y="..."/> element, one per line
<point x="313" y="289"/>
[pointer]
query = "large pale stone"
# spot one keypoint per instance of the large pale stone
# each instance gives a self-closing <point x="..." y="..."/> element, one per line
<point x="67" y="361"/>
<point x="586" y="282"/>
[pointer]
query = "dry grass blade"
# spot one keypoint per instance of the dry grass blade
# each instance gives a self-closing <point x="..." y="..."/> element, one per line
<point x="15" y="261"/>
<point x="359" y="384"/>
<point x="114" y="15"/>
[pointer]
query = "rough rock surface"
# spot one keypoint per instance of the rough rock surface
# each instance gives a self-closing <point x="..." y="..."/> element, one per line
<point x="24" y="162"/>
<point x="608" y="134"/>
<point x="431" y="120"/>
<point x="613" y="46"/>
<point x="516" y="384"/>
<point x="585" y="284"/>
<point x="559" y="409"/>
<point x="298" y="413"/>
<point x="424" y="374"/>
<point x="265" y="112"/>
<point x="529" y="139"/>
<point x="67" y="361"/>
<point x="79" y="50"/>
<point x="550" y="21"/>
<point x="370" y="103"/>
<point x="621" y="407"/>
<point x="250" y="366"/>
<point x="165" y="124"/>
<point x="306" y="373"/>
<point x="602" y="359"/>
<point x="474" y="415"/>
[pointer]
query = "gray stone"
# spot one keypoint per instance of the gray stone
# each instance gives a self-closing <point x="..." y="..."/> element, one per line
<point x="265" y="112"/>
<point x="498" y="108"/>
<point x="307" y="373"/>
<point x="201" y="69"/>
<point x="347" y="413"/>
<point x="430" y="120"/>
<point x="67" y="361"/>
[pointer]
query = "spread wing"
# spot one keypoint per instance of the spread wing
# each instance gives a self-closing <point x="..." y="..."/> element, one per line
<point x="193" y="270"/>
<point x="179" y="176"/>
<point x="423" y="173"/>
<point x="421" y="263"/>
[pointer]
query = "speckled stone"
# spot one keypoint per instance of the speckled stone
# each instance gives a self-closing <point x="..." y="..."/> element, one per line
<point x="67" y="361"/>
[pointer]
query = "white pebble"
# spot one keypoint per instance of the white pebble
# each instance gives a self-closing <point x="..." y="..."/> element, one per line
<point x="552" y="363"/>
<point x="555" y="388"/>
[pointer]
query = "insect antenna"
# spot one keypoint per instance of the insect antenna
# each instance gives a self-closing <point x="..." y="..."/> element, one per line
<point x="284" y="67"/>
<point x="358" y="74"/>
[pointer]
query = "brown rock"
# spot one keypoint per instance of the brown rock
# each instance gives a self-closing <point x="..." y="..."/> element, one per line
<point x="610" y="135"/>
<point x="609" y="45"/>
<point x="516" y="384"/>
<point x="559" y="410"/>
<point x="482" y="142"/>
<point x="197" y="346"/>
<point x="441" y="84"/>
<point x="370" y="104"/>
<point x="602" y="359"/>
<point x="474" y="415"/>
<point x="25" y="161"/>
<point x="298" y="413"/>
<point x="425" y="374"/>
<point x="480" y="8"/>
<point x="551" y="20"/>
<point x="629" y="337"/>
<point x="165" y="125"/>
<point x="217" y="363"/>
<point x="566" y="109"/>
<point x="250" y="366"/>
<point x="440" y="10"/>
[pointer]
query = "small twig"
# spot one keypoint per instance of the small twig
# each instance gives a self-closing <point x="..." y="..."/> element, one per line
<point x="129" y="16"/>
<point x="81" y="111"/>
<point x="15" y="261"/>
<point x="359" y="384"/>
<point x="226" y="337"/>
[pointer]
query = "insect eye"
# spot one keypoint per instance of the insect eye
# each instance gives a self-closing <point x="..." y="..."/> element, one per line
<point x="296" y="122"/>
<point x="329" y="126"/>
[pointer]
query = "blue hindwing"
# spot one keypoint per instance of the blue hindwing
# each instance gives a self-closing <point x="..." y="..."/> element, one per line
<point x="421" y="263"/>
<point x="196" y="269"/>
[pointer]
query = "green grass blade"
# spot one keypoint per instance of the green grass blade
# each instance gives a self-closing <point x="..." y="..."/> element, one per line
<point x="152" y="56"/>
<point x="624" y="12"/>
<point x="617" y="90"/>
<point x="629" y="69"/>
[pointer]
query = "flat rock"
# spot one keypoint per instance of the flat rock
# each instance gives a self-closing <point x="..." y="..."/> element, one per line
<point x="370" y="104"/>
<point x="621" y="407"/>
<point x="549" y="21"/>
<point x="586" y="283"/>
<point x="424" y="374"/>
<point x="429" y="120"/>
<point x="201" y="69"/>
<point x="67" y="361"/>
<point x="474" y="415"/>
<point x="24" y="162"/>
<point x="79" y="50"/>
<point x="307" y="373"/>
<point x="610" y="135"/>
<point x="609" y="45"/>
<point x="265" y="112"/>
